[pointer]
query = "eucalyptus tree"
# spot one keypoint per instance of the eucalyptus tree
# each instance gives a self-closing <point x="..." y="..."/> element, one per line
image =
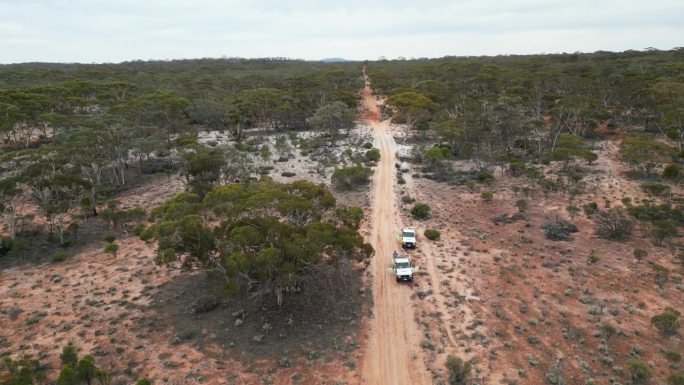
<point x="263" y="238"/>
<point x="411" y="107"/>
<point x="332" y="118"/>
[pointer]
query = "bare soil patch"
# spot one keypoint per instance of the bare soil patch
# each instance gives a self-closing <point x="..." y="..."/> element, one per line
<point x="312" y="325"/>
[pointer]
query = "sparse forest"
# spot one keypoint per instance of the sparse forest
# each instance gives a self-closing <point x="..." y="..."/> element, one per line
<point x="184" y="219"/>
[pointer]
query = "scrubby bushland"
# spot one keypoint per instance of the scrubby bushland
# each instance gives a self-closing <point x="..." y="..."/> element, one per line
<point x="538" y="107"/>
<point x="559" y="230"/>
<point x="72" y="133"/>
<point x="656" y="188"/>
<point x="644" y="154"/>
<point x="420" y="211"/>
<point x="262" y="238"/>
<point x="351" y="177"/>
<point x="350" y="216"/>
<point x="73" y="371"/>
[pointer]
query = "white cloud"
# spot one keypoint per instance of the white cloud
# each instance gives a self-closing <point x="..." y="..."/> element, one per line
<point x="118" y="30"/>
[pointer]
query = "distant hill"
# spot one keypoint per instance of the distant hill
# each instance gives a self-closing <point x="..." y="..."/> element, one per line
<point x="334" y="60"/>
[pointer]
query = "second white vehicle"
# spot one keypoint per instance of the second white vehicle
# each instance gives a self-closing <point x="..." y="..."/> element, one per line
<point x="401" y="265"/>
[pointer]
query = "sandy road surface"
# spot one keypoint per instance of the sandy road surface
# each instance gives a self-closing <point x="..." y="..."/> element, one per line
<point x="392" y="355"/>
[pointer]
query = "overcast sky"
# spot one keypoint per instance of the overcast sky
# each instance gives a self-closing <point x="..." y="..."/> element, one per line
<point x="121" y="30"/>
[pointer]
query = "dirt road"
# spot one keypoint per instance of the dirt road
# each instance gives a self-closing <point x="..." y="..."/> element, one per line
<point x="393" y="355"/>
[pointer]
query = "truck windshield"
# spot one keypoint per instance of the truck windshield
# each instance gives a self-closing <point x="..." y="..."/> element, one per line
<point x="408" y="234"/>
<point x="403" y="265"/>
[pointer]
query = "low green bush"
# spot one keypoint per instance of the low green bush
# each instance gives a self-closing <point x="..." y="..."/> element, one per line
<point x="205" y="303"/>
<point x="458" y="370"/>
<point x="593" y="258"/>
<point x="673" y="356"/>
<point x="373" y="155"/>
<point x="671" y="172"/>
<point x="420" y="211"/>
<point x="656" y="188"/>
<point x="60" y="256"/>
<point x="111" y="248"/>
<point x="590" y="208"/>
<point x="676" y="379"/>
<point x="667" y="322"/>
<point x="484" y="176"/>
<point x="351" y="177"/>
<point x="639" y="371"/>
<point x="431" y="234"/>
<point x="559" y="230"/>
<point x="487" y="196"/>
<point x="407" y="199"/>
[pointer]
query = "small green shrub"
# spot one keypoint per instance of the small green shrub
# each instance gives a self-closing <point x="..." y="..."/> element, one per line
<point x="667" y="322"/>
<point x="559" y="230"/>
<point x="147" y="234"/>
<point x="458" y="370"/>
<point x="484" y="176"/>
<point x="205" y="303"/>
<point x="60" y="256"/>
<point x="288" y="174"/>
<point x="10" y="246"/>
<point x="487" y="196"/>
<point x="656" y="188"/>
<point x="521" y="204"/>
<point x="640" y="253"/>
<point x="676" y="379"/>
<point x="350" y="216"/>
<point x="671" y="172"/>
<point x="351" y="177"/>
<point x="663" y="229"/>
<point x="373" y="154"/>
<point x="431" y="234"/>
<point x="143" y="381"/>
<point x="572" y="210"/>
<point x="673" y="356"/>
<point x="111" y="248"/>
<point x="110" y="238"/>
<point x="593" y="258"/>
<point x="407" y="199"/>
<point x="368" y="145"/>
<point x="138" y="229"/>
<point x="639" y="371"/>
<point x="590" y="208"/>
<point x="517" y="167"/>
<point x="613" y="224"/>
<point x="420" y="211"/>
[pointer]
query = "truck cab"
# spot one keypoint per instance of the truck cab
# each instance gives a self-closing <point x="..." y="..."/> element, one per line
<point x="408" y="238"/>
<point x="401" y="264"/>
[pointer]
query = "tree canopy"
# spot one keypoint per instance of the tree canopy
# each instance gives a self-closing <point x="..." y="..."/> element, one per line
<point x="263" y="238"/>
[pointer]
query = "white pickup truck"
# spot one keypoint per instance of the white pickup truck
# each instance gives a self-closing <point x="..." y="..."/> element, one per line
<point x="401" y="266"/>
<point x="408" y="238"/>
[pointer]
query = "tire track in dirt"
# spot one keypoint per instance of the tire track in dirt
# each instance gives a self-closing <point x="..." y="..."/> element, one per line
<point x="439" y="291"/>
<point x="392" y="355"/>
